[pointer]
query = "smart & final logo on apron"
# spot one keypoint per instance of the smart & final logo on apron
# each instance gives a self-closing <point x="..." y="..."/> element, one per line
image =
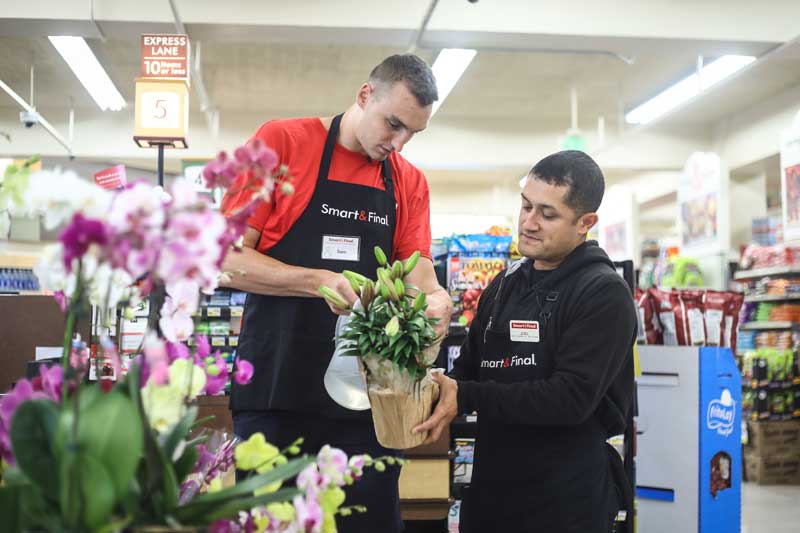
<point x="356" y="214"/>
<point x="721" y="414"/>
<point x="508" y="362"/>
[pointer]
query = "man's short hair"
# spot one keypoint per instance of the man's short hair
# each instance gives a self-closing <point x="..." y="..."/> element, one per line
<point x="413" y="71"/>
<point x="579" y="172"/>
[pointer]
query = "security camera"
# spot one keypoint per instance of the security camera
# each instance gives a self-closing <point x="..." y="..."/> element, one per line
<point x="29" y="118"/>
<point x="472" y="1"/>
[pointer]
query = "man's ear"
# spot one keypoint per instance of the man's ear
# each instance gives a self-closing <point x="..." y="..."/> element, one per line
<point x="364" y="94"/>
<point x="587" y="222"/>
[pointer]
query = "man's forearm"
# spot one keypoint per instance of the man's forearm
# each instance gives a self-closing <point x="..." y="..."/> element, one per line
<point x="255" y="272"/>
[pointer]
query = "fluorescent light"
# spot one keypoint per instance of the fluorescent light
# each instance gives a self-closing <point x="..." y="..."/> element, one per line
<point x="687" y="89"/>
<point x="450" y="64"/>
<point x="89" y="71"/>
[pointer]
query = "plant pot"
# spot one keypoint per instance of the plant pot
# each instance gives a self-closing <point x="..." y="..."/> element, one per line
<point x="396" y="412"/>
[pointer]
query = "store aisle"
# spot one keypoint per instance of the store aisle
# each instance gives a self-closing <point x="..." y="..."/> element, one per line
<point x="770" y="508"/>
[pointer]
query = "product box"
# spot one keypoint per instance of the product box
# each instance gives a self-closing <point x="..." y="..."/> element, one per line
<point x="467" y="277"/>
<point x="463" y="461"/>
<point x="773" y="439"/>
<point x="776" y="470"/>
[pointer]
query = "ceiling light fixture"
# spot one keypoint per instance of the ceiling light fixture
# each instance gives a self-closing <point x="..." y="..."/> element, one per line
<point x="450" y="64"/>
<point x="89" y="71"/>
<point x="687" y="88"/>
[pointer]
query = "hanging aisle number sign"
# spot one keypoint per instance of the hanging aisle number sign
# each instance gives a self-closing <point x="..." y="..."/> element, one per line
<point x="162" y="93"/>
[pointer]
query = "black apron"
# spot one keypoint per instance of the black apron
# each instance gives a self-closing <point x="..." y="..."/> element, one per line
<point x="535" y="478"/>
<point x="289" y="340"/>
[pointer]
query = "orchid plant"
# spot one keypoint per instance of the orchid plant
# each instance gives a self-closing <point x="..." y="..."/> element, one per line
<point x="114" y="456"/>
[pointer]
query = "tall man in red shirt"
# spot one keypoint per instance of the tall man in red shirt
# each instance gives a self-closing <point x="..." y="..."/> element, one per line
<point x="353" y="191"/>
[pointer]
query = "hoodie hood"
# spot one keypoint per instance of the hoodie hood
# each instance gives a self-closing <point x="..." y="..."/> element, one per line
<point x="583" y="255"/>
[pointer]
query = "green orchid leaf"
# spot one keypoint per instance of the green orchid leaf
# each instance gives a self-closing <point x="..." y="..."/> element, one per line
<point x="32" y="439"/>
<point x="179" y="432"/>
<point x="205" y="503"/>
<point x="184" y="465"/>
<point x="194" y="514"/>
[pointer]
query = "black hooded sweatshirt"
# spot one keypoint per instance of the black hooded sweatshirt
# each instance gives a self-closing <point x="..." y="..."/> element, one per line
<point x="545" y="411"/>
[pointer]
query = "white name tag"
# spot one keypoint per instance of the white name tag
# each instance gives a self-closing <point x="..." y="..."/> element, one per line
<point x="524" y="330"/>
<point x="340" y="248"/>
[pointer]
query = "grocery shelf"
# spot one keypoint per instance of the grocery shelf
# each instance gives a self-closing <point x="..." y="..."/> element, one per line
<point x="768" y="325"/>
<point x="772" y="298"/>
<point x="771" y="271"/>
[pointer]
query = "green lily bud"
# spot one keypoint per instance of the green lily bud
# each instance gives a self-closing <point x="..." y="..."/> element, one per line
<point x="392" y="327"/>
<point x="333" y="297"/>
<point x="380" y="256"/>
<point x="383" y="290"/>
<point x="411" y="262"/>
<point x="399" y="287"/>
<point x="355" y="279"/>
<point x="367" y="293"/>
<point x="397" y="270"/>
<point x="419" y="302"/>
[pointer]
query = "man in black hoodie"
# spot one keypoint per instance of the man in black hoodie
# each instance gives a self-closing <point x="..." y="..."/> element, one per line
<point x="548" y="366"/>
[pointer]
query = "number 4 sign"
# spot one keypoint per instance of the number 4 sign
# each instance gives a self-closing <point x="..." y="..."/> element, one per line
<point x="162" y="114"/>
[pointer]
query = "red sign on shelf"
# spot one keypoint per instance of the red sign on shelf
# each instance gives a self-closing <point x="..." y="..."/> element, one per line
<point x="165" y="55"/>
<point x="112" y="177"/>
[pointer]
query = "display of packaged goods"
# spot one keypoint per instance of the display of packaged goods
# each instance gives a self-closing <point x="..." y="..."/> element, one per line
<point x="780" y="255"/>
<point x="467" y="277"/>
<point x="18" y="279"/>
<point x="763" y="366"/>
<point x="479" y="243"/>
<point x="767" y="231"/>
<point x="771" y="286"/>
<point x="463" y="460"/>
<point x="778" y="470"/>
<point x="689" y="317"/>
<point x="237" y="297"/>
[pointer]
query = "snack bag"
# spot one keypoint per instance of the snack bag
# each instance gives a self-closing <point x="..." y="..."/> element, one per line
<point x="649" y="328"/>
<point x="689" y="314"/>
<point x="714" y="303"/>
<point x="662" y="304"/>
<point x="731" y="317"/>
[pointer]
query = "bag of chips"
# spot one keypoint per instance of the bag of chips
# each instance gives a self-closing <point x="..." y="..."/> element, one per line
<point x="649" y="328"/>
<point x="714" y="303"/>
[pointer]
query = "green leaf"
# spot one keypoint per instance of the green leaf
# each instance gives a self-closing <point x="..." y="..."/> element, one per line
<point x="183" y="466"/>
<point x="96" y="489"/>
<point x="206" y="503"/>
<point x="202" y="515"/>
<point x="200" y="421"/>
<point x="179" y="432"/>
<point x="32" y="430"/>
<point x="108" y="425"/>
<point x="11" y="508"/>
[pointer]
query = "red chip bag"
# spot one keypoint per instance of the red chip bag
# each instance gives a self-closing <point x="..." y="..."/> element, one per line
<point x="649" y="328"/>
<point x="731" y="319"/>
<point x="680" y="314"/>
<point x="714" y="303"/>
<point x="689" y="318"/>
<point x="663" y="308"/>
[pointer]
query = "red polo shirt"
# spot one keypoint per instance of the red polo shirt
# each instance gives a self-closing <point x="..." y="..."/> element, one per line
<point x="299" y="144"/>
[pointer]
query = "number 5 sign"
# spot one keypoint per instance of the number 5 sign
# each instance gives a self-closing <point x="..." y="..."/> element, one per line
<point x="162" y="113"/>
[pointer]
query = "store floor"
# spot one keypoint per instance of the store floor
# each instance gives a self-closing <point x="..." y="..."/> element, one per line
<point x="770" y="508"/>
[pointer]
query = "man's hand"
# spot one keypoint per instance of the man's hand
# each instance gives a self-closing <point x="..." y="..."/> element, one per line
<point x="340" y="284"/>
<point x="440" y="306"/>
<point x="445" y="411"/>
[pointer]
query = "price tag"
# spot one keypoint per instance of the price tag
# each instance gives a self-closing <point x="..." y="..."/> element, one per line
<point x="213" y="311"/>
<point x="217" y="341"/>
<point x="237" y="310"/>
<point x="233" y="341"/>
